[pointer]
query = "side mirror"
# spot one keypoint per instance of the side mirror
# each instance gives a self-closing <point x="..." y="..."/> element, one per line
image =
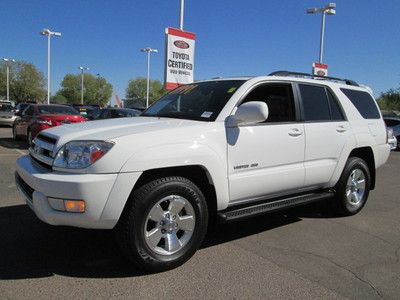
<point x="249" y="113"/>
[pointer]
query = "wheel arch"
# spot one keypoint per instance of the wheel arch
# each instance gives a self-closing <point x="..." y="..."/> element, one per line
<point x="366" y="154"/>
<point x="198" y="174"/>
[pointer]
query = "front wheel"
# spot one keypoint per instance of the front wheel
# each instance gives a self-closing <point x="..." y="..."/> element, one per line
<point x="353" y="187"/>
<point x="164" y="223"/>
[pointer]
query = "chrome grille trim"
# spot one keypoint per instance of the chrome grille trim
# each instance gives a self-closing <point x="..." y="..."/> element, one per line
<point x="42" y="149"/>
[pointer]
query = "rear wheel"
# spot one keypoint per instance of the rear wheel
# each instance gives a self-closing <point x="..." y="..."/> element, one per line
<point x="14" y="133"/>
<point x="164" y="224"/>
<point x="353" y="187"/>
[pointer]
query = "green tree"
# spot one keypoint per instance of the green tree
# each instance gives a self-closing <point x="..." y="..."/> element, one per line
<point x="390" y="100"/>
<point x="26" y="82"/>
<point x="58" y="99"/>
<point x="137" y="90"/>
<point x="96" y="89"/>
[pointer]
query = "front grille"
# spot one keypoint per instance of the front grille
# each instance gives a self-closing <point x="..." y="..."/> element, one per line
<point x="24" y="186"/>
<point x="42" y="150"/>
<point x="47" y="138"/>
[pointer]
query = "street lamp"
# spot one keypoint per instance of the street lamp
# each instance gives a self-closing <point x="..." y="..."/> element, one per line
<point x="82" y="75"/>
<point x="49" y="35"/>
<point x="8" y="61"/>
<point x="329" y="9"/>
<point x="148" y="50"/>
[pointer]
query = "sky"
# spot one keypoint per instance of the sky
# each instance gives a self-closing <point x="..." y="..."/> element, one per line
<point x="252" y="37"/>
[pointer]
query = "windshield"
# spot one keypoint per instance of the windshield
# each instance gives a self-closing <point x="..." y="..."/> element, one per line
<point x="197" y="101"/>
<point x="5" y="107"/>
<point x="57" y="110"/>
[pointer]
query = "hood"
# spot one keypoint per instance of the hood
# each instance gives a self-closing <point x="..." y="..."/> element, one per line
<point x="6" y="114"/>
<point x="113" y="128"/>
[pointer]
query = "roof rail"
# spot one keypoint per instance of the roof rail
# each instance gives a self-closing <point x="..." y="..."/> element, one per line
<point x="311" y="76"/>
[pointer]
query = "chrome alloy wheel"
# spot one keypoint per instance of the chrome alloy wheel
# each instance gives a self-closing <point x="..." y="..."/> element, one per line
<point x="169" y="225"/>
<point x="355" y="188"/>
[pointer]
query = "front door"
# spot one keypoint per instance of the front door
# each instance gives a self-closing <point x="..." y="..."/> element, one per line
<point x="266" y="159"/>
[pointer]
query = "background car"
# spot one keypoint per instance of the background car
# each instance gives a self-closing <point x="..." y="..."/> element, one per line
<point x="88" y="111"/>
<point x="111" y="113"/>
<point x="37" y="117"/>
<point x="7" y="116"/>
<point x="393" y="123"/>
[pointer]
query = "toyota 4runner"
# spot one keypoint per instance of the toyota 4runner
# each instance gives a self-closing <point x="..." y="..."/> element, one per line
<point x="220" y="149"/>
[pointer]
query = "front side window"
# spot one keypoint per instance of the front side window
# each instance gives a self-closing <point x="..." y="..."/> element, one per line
<point x="198" y="101"/>
<point x="279" y="98"/>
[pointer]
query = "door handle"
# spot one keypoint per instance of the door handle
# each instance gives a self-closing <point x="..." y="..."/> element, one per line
<point x="295" y="132"/>
<point x="341" y="128"/>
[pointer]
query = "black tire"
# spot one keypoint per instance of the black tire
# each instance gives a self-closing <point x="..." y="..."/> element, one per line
<point x="29" y="137"/>
<point x="14" y="133"/>
<point x="130" y="231"/>
<point x="341" y="202"/>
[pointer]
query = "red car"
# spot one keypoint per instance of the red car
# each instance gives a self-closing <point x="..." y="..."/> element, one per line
<point x="37" y="117"/>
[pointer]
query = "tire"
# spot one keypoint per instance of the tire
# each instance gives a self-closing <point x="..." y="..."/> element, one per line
<point x="154" y="229"/>
<point x="29" y="137"/>
<point x="15" y="135"/>
<point x="353" y="187"/>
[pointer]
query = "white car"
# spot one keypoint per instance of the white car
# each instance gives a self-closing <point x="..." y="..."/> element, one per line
<point x="225" y="148"/>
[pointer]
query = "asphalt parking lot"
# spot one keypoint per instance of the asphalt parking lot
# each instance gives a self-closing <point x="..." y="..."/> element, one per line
<point x="302" y="253"/>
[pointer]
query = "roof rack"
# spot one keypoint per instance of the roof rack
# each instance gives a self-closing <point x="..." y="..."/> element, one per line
<point x="311" y="76"/>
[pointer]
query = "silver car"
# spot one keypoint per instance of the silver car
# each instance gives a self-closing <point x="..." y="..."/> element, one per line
<point x="7" y="116"/>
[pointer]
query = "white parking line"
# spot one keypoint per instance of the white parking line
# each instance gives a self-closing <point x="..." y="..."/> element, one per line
<point x="21" y="152"/>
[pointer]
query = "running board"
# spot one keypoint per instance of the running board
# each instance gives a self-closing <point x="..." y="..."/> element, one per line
<point x="232" y="214"/>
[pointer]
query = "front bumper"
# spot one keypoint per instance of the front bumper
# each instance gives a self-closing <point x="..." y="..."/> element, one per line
<point x="105" y="195"/>
<point x="392" y="143"/>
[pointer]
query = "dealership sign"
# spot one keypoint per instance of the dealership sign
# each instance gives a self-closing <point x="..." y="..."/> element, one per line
<point x="179" y="57"/>
<point x="320" y="69"/>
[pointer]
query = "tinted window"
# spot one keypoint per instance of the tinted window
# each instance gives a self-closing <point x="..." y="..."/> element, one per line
<point x="336" y="111"/>
<point x="364" y="103"/>
<point x="315" y="103"/>
<point x="391" y="122"/>
<point x="6" y="107"/>
<point x="104" y="114"/>
<point x="279" y="98"/>
<point x="28" y="111"/>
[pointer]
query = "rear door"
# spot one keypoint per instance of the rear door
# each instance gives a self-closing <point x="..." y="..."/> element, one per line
<point x="327" y="131"/>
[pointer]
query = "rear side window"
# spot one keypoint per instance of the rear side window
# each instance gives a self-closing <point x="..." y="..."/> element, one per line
<point x="315" y="103"/>
<point x="364" y="103"/>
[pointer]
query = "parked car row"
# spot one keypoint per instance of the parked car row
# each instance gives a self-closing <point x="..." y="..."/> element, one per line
<point x="27" y="120"/>
<point x="393" y="126"/>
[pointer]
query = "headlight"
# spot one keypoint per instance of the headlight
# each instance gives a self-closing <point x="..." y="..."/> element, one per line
<point x="80" y="154"/>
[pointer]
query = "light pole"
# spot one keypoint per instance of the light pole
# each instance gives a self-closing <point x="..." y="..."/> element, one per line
<point x="148" y="50"/>
<point x="182" y="10"/>
<point x="49" y="34"/>
<point x="82" y="75"/>
<point x="329" y="9"/>
<point x="8" y="61"/>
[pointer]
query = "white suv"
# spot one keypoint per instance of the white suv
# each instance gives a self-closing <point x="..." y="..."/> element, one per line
<point x="220" y="149"/>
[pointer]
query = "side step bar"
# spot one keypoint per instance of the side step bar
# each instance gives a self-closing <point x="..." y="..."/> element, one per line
<point x="232" y="214"/>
